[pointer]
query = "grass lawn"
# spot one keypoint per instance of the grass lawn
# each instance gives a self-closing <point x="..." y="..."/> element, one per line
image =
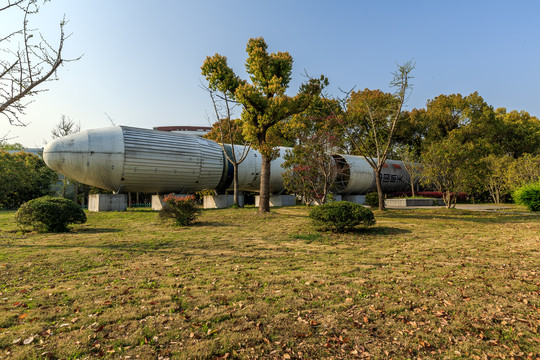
<point x="429" y="284"/>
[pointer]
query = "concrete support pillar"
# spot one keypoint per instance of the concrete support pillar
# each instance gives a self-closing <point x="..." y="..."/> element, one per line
<point x="107" y="202"/>
<point x="221" y="201"/>
<point x="279" y="200"/>
<point x="157" y="201"/>
<point x="358" y="199"/>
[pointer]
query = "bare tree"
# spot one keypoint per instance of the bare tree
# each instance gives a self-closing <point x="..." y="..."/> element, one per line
<point x="63" y="128"/>
<point x="27" y="60"/>
<point x="371" y="120"/>
<point x="227" y="132"/>
<point x="412" y="165"/>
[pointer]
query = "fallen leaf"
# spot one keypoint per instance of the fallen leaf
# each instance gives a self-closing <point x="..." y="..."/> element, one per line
<point x="28" y="341"/>
<point x="22" y="316"/>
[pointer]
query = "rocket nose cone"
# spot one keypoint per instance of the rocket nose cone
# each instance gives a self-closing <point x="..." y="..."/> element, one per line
<point x="60" y="154"/>
<point x="93" y="157"/>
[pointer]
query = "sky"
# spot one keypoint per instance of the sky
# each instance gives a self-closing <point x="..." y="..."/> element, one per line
<point x="141" y="60"/>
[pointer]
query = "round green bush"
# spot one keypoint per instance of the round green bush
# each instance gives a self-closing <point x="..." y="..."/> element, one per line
<point x="341" y="216"/>
<point x="50" y="214"/>
<point x="528" y="195"/>
<point x="372" y="199"/>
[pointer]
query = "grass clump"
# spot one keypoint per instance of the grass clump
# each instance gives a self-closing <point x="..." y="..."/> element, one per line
<point x="50" y="214"/>
<point x="341" y="216"/>
<point x="528" y="195"/>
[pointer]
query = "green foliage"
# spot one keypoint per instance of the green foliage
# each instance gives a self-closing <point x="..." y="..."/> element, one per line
<point x="50" y="214"/>
<point x="372" y="199"/>
<point x="341" y="216"/>
<point x="309" y="169"/>
<point x="264" y="101"/>
<point x="23" y="176"/>
<point x="520" y="132"/>
<point x="528" y="195"/>
<point x="182" y="209"/>
<point x="451" y="167"/>
<point x="227" y="131"/>
<point x="5" y="146"/>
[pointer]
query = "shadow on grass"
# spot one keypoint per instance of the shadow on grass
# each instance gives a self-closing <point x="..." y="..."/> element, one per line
<point x="96" y="230"/>
<point x="212" y="224"/>
<point x="139" y="247"/>
<point x="456" y="214"/>
<point x="379" y="230"/>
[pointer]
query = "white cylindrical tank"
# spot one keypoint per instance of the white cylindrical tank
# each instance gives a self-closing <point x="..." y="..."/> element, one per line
<point x="356" y="176"/>
<point x="94" y="157"/>
<point x="127" y="159"/>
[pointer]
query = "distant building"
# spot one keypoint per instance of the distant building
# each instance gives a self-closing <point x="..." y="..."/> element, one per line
<point x="186" y="130"/>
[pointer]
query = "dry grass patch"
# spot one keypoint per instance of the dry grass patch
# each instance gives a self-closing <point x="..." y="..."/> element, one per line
<point x="420" y="284"/>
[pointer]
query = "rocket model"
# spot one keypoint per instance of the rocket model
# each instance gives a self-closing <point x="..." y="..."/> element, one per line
<point x="127" y="159"/>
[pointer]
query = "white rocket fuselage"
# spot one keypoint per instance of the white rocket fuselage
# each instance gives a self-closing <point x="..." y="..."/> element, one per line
<point x="127" y="159"/>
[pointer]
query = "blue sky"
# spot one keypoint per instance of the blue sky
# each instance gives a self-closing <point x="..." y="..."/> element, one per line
<point x="142" y="59"/>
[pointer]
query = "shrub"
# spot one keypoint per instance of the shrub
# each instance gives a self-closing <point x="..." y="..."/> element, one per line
<point x="182" y="209"/>
<point x="372" y="199"/>
<point x="528" y="195"/>
<point x="341" y="216"/>
<point x="50" y="214"/>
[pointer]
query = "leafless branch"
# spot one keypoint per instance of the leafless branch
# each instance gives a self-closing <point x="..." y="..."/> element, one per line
<point x="32" y="63"/>
<point x="113" y="123"/>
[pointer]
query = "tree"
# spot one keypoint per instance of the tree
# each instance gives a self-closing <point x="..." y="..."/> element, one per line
<point x="372" y="118"/>
<point x="411" y="162"/>
<point x="227" y="131"/>
<point x="452" y="166"/>
<point x="64" y="127"/>
<point x="263" y="100"/>
<point x="524" y="170"/>
<point x="24" y="177"/>
<point x="27" y="60"/>
<point x="4" y="145"/>
<point x="520" y="132"/>
<point x="496" y="180"/>
<point x="310" y="170"/>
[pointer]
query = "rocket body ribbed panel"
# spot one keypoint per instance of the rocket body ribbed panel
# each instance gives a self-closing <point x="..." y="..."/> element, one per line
<point x="159" y="161"/>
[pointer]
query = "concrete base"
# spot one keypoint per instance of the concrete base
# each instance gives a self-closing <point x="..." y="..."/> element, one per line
<point x="157" y="201"/>
<point x="279" y="200"/>
<point x="107" y="202"/>
<point x="357" y="199"/>
<point x="414" y="202"/>
<point x="221" y="201"/>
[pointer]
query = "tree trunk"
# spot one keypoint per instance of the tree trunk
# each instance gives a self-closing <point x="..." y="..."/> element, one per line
<point x="235" y="185"/>
<point x="64" y="185"/>
<point x="379" y="188"/>
<point x="448" y="199"/>
<point x="76" y="192"/>
<point x="412" y="186"/>
<point x="264" y="195"/>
